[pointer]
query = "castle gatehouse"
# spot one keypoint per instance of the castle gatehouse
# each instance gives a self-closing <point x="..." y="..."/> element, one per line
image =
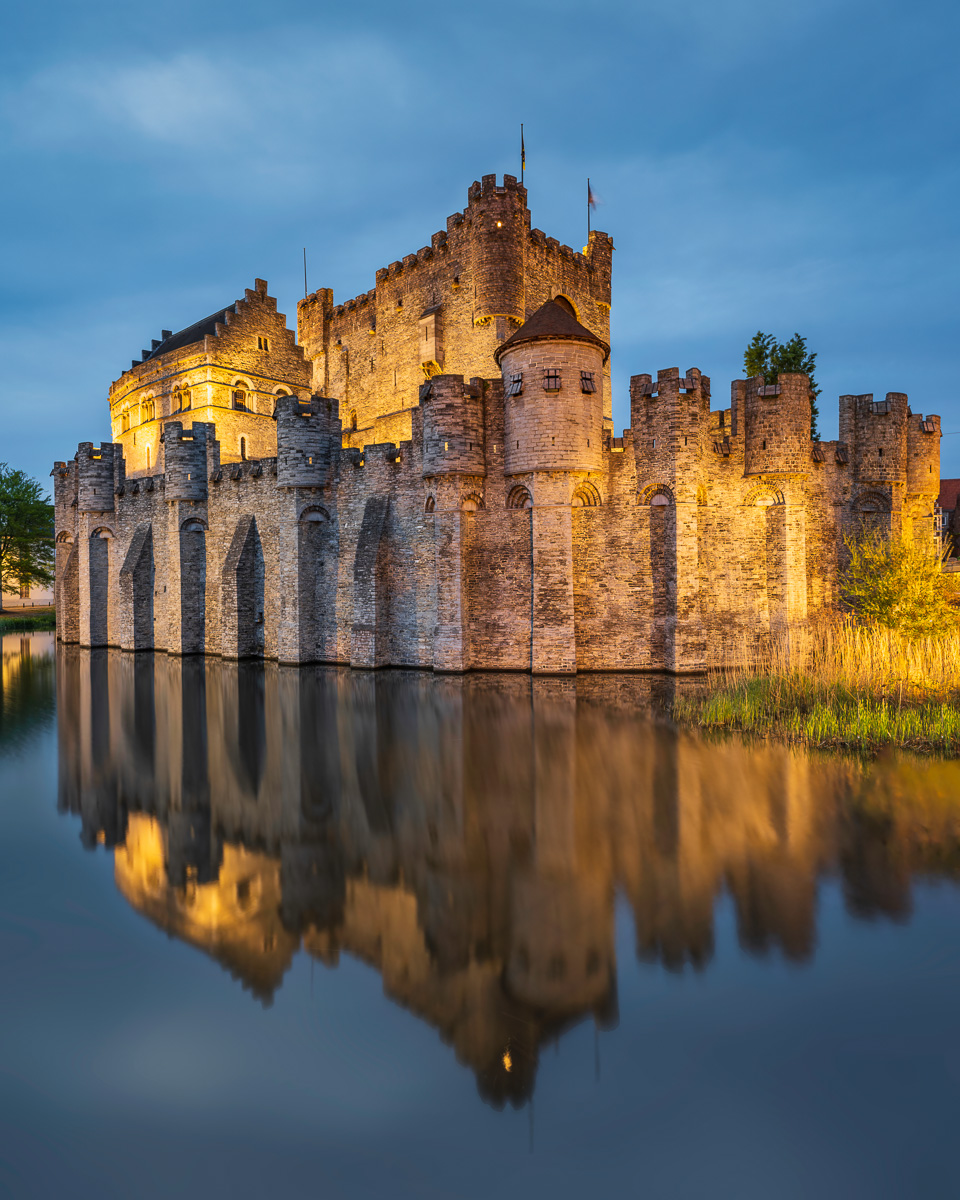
<point x="426" y="476"/>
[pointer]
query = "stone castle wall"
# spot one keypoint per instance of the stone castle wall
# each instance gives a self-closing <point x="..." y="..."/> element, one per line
<point x="470" y="524"/>
<point x="460" y="296"/>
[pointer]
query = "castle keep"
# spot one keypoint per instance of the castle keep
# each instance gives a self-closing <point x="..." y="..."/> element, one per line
<point x="428" y="477"/>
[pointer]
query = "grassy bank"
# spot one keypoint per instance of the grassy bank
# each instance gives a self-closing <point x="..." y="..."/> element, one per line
<point x="27" y="620"/>
<point x="839" y="685"/>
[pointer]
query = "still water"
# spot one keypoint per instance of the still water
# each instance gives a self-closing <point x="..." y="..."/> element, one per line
<point x="307" y="932"/>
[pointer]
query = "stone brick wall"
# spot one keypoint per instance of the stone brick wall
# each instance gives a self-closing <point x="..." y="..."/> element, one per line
<point x="458" y="527"/>
<point x="480" y="278"/>
<point x="252" y="351"/>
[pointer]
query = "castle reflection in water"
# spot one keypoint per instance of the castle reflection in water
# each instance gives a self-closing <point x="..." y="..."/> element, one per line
<point x="467" y="836"/>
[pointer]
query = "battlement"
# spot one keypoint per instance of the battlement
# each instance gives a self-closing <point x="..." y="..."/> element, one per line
<point x="99" y="472"/>
<point x="308" y="433"/>
<point x="453" y="433"/>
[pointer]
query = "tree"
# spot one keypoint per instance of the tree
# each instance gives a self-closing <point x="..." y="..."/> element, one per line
<point x="897" y="585"/>
<point x="767" y="357"/>
<point x="26" y="533"/>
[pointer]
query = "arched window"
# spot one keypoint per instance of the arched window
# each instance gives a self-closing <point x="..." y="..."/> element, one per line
<point x="429" y="505"/>
<point x="471" y="503"/>
<point x="125" y="422"/>
<point x="184" y="400"/>
<point x="240" y="396"/>
<point x="353" y="419"/>
<point x="147" y="410"/>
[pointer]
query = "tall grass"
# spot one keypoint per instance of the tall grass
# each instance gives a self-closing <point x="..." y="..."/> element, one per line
<point x="18" y="622"/>
<point x="838" y="684"/>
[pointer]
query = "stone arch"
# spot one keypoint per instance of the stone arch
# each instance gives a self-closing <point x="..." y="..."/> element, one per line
<point x="313" y="513"/>
<point x="429" y="505"/>
<point x="471" y="502"/>
<point x="98" y="566"/>
<point x="136" y="590"/>
<point x="519" y="497"/>
<point x="763" y="495"/>
<point x="657" y="495"/>
<point x="242" y="582"/>
<point x="193" y="586"/>
<point x="240" y="392"/>
<point x="565" y="303"/>
<point x="872" y="502"/>
<point x="64" y="537"/>
<point x="586" y="496"/>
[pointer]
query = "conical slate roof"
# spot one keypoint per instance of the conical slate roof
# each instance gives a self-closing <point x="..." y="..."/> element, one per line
<point x="551" y="323"/>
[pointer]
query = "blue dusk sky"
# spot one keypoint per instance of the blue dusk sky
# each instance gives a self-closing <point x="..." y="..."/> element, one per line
<point x="760" y="165"/>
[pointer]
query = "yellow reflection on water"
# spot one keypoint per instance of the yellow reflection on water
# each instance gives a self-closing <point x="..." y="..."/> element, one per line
<point x="467" y="837"/>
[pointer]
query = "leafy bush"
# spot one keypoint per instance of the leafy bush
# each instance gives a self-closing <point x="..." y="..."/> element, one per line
<point x="897" y="585"/>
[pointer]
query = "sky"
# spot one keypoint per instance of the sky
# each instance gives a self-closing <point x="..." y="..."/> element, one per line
<point x="760" y="165"/>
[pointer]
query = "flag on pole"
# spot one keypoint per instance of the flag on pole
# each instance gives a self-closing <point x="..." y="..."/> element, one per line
<point x="523" y="153"/>
<point x="591" y="203"/>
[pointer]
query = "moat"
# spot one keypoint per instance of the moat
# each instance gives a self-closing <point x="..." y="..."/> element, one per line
<point x="307" y="931"/>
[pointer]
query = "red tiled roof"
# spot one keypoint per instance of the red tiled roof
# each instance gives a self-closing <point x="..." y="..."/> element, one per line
<point x="551" y="322"/>
<point x="949" y="493"/>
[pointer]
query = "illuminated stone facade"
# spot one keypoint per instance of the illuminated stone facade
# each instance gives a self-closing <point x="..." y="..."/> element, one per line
<point x="441" y="487"/>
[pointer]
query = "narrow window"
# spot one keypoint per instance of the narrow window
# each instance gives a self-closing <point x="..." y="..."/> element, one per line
<point x="764" y="443"/>
<point x="184" y="401"/>
<point x="551" y="381"/>
<point x="263" y="343"/>
<point x="243" y="448"/>
<point x="881" y="450"/>
<point x="587" y="382"/>
<point x="515" y="387"/>
<point x="353" y="419"/>
<point x="148" y="457"/>
<point x="239" y="399"/>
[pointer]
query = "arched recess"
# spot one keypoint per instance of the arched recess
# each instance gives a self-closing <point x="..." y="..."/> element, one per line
<point x="99" y="580"/>
<point x="136" y="590"/>
<point x="519" y="497"/>
<point x="472" y="502"/>
<point x="316" y="576"/>
<point x="429" y="505"/>
<point x="193" y="586"/>
<point x="242" y="584"/>
<point x="67" y="588"/>
<point x="566" y="304"/>
<point x="241" y="395"/>
<point x="657" y="495"/>
<point x="763" y="496"/>
<point x="872" y="512"/>
<point x="586" y="496"/>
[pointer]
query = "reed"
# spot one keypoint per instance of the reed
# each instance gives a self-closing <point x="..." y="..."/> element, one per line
<point x="838" y="684"/>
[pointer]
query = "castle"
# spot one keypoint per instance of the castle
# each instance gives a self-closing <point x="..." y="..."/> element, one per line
<point x="427" y="477"/>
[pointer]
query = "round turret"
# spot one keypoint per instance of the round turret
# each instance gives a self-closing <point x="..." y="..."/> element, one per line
<point x="452" y="426"/>
<point x="501" y="219"/>
<point x="553" y="394"/>
<point x="185" y="461"/>
<point x="95" y="477"/>
<point x="777" y="426"/>
<point x="304" y="441"/>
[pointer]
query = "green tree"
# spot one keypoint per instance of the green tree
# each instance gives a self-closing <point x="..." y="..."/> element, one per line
<point x="767" y="357"/>
<point x="897" y="584"/>
<point x="26" y="533"/>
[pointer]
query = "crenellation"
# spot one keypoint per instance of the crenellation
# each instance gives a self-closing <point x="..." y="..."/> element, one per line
<point x="428" y="477"/>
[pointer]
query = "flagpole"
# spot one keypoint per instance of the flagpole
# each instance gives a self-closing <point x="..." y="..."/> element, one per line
<point x="523" y="154"/>
<point x="304" y="272"/>
<point x="588" y="208"/>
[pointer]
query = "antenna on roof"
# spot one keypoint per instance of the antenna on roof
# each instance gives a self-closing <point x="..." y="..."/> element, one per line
<point x="304" y="272"/>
